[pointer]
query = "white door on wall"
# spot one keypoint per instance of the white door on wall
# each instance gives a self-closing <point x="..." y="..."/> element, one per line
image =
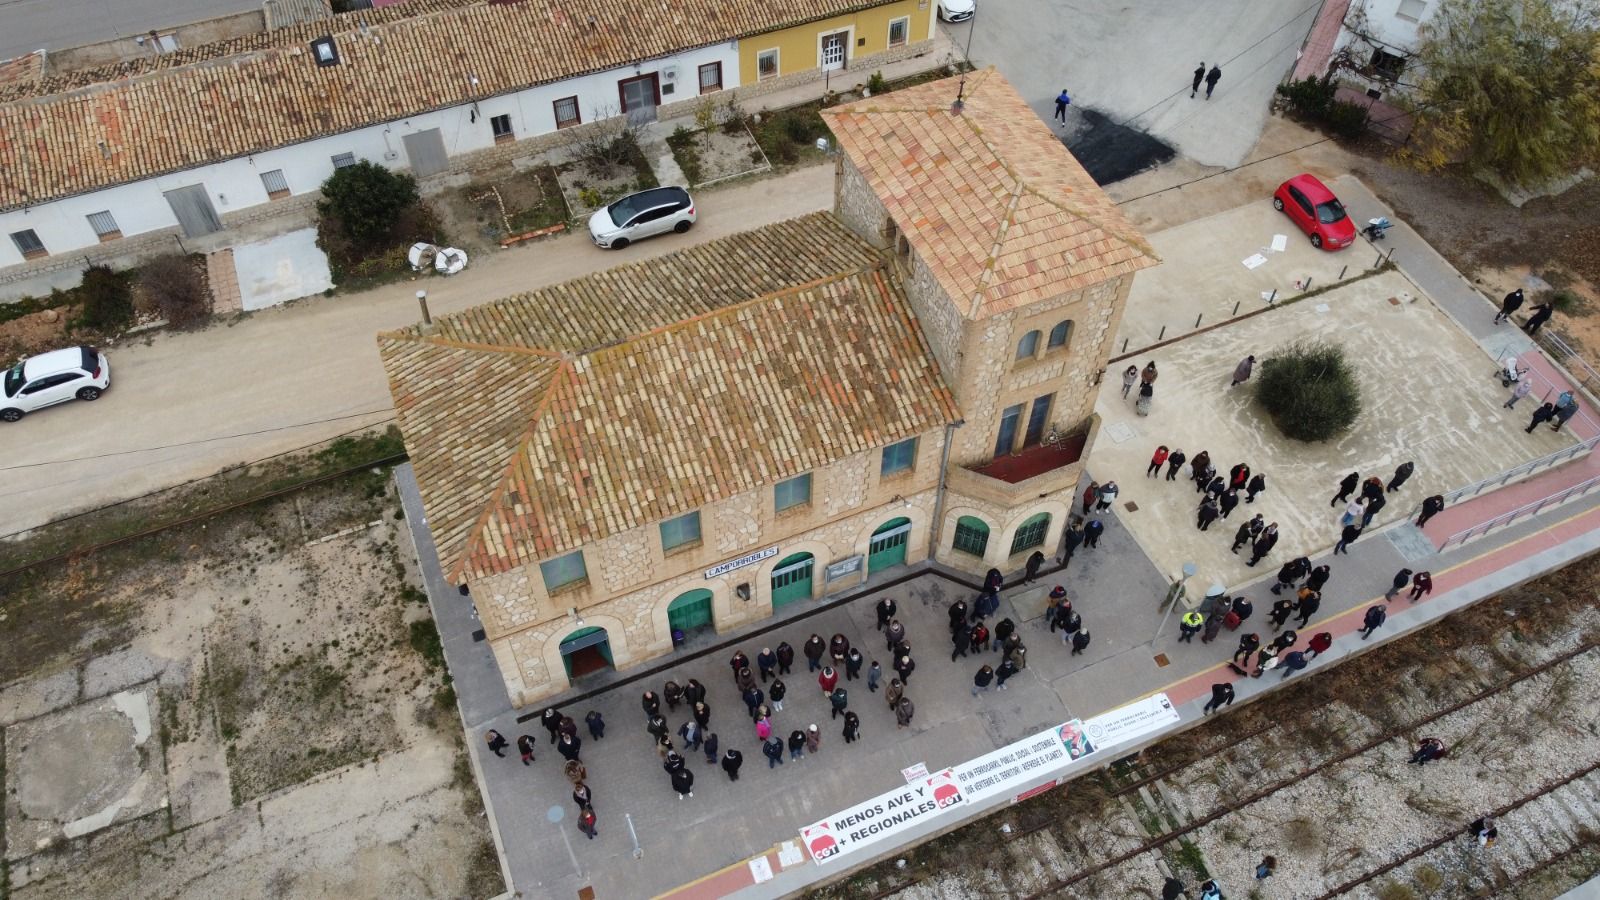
<point x="833" y="47"/>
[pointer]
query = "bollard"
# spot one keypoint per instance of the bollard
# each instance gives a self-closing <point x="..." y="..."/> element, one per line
<point x="1162" y="334"/>
<point x="1197" y="319"/>
<point x="1378" y="262"/>
<point x="1124" y="345"/>
<point x="1274" y="298"/>
<point x="1236" y="307"/>
<point x="1307" y="286"/>
<point x="1388" y="256"/>
<point x="1341" y="272"/>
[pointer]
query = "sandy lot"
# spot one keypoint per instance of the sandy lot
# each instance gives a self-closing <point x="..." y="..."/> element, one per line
<point x="1446" y="416"/>
<point x="238" y="709"/>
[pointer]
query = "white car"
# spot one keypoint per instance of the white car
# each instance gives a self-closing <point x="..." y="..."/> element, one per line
<point x="957" y="10"/>
<point x="78" y="373"/>
<point x="642" y="215"/>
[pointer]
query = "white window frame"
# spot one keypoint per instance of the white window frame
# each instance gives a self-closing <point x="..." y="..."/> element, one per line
<point x="889" y="38"/>
<point x="105" y="234"/>
<point x="777" y="63"/>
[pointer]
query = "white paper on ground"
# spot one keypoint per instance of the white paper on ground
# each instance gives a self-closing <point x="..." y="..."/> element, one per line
<point x="1280" y="242"/>
<point x="1255" y="260"/>
<point x="761" y="869"/>
<point x="1268" y="295"/>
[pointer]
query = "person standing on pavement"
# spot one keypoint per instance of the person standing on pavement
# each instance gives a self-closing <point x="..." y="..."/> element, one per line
<point x="673" y="694"/>
<point x="497" y="744"/>
<point x="568" y="746"/>
<point x="551" y="720"/>
<point x="1373" y="507"/>
<point x="982" y="680"/>
<point x="586" y="822"/>
<point x="1206" y="514"/>
<point x="814" y="647"/>
<point x="894" y="692"/>
<point x="1401" y="579"/>
<point x="1319" y="644"/>
<point x="886" y="609"/>
<point x="1258" y="483"/>
<point x="745" y="679"/>
<point x="1006" y="669"/>
<point x="710" y="748"/>
<point x="1199" y="76"/>
<point x="1310" y="602"/>
<point x="1292" y="571"/>
<point x="1212" y="77"/>
<point x="978" y="636"/>
<point x="839" y="648"/>
<point x="1373" y="620"/>
<point x="596" y="723"/>
<point x="894" y="634"/>
<point x="840" y="701"/>
<point x="752" y="700"/>
<point x="1318" y="577"/>
<point x="1130" y="377"/>
<point x="1241" y="372"/>
<point x="1346" y="538"/>
<point x="905" y="666"/>
<point x="852" y="727"/>
<point x="1281" y="611"/>
<point x="1421" y="585"/>
<point x="1228" y="501"/>
<point x="1070" y="539"/>
<point x="1070" y="623"/>
<point x="1541" y="314"/>
<point x="731" y="761"/>
<point x="1263" y="544"/>
<point x="766" y="661"/>
<point x="1401" y="473"/>
<point x="1511" y="303"/>
<point x="1174" y="462"/>
<point x="1090" y="494"/>
<point x="702" y="715"/>
<point x="1156" y="459"/>
<point x="1248" y="644"/>
<point x="1244" y="535"/>
<point x="1030" y="571"/>
<point x="1221" y="695"/>
<point x="1092" y="532"/>
<point x="828" y="680"/>
<point x="874" y="675"/>
<point x="525" y="745"/>
<point x="1080" y="642"/>
<point x="903" y="711"/>
<point x="1566" y="408"/>
<point x="797" y="745"/>
<point x="1346" y="488"/>
<point x="1062" y="102"/>
<point x="1002" y="632"/>
<point x="785" y="656"/>
<point x="1105" y="496"/>
<point x="1189" y="626"/>
<point x="776" y="694"/>
<point x="1541" y="415"/>
<point x="582" y="795"/>
<point x="852" y="664"/>
<point x="772" y="748"/>
<point x="1523" y="389"/>
<point x="691" y="734"/>
<point x="1293" y="661"/>
<point x="813" y="739"/>
<point x="1430" y="508"/>
<point x="738" y="663"/>
<point x="962" y="639"/>
<point x="1219" y="611"/>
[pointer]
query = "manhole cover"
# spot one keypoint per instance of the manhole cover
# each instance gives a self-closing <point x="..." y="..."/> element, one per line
<point x="1131" y="506"/>
<point x="1162" y="661"/>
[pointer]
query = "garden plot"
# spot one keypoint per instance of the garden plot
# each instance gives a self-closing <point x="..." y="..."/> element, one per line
<point x="717" y="154"/>
<point x="251" y="706"/>
<point x="602" y="172"/>
<point x="505" y="202"/>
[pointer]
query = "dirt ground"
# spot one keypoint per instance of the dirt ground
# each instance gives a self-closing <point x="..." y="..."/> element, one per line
<point x="719" y="153"/>
<point x="529" y="198"/>
<point x="306" y="737"/>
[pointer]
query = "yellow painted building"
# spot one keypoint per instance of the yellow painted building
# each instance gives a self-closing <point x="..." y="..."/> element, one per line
<point x="836" y="43"/>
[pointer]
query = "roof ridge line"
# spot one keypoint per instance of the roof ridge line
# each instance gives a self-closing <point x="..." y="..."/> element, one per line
<point x="1068" y="208"/>
<point x="1018" y="188"/>
<point x="519" y="449"/>
<point x="733" y="307"/>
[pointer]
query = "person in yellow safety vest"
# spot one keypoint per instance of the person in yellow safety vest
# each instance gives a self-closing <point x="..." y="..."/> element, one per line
<point x="1190" y="625"/>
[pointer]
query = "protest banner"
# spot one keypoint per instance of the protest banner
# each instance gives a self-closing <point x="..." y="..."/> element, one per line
<point x="881" y="817"/>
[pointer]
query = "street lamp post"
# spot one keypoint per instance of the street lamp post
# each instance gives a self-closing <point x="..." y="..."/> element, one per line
<point x="1174" y="594"/>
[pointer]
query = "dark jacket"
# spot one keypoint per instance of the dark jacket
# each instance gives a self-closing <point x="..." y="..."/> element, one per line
<point x="814" y="647"/>
<point x="785" y="655"/>
<point x="1350" y="533"/>
<point x="777" y="690"/>
<point x="1375" y="616"/>
<point x="984" y="677"/>
<point x="732" y="760"/>
<point x="797" y="739"/>
<point x="773" y="748"/>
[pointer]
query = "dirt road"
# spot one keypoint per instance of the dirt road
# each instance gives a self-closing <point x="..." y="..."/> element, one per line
<point x="183" y="406"/>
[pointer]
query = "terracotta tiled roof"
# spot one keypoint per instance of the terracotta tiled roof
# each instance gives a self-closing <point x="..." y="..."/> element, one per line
<point x="546" y="421"/>
<point x="157" y="118"/>
<point x="993" y="202"/>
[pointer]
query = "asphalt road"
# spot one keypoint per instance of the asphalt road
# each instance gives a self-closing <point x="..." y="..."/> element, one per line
<point x="1130" y="64"/>
<point x="183" y="406"/>
<point x="28" y="25"/>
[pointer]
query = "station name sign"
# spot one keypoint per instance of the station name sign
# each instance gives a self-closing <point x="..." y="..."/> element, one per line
<point x="741" y="562"/>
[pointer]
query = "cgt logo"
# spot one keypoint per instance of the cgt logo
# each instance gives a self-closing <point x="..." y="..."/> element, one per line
<point x="820" y="842"/>
<point x="946" y="793"/>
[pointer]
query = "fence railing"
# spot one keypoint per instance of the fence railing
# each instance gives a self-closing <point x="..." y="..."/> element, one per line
<point x="1527" y="468"/>
<point x="1527" y="509"/>
<point x="1570" y="359"/>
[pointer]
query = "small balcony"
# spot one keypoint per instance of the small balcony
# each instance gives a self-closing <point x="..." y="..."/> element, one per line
<point x="1025" y="476"/>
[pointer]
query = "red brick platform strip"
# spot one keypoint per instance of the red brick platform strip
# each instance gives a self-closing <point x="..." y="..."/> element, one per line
<point x="737" y="877"/>
<point x="541" y="232"/>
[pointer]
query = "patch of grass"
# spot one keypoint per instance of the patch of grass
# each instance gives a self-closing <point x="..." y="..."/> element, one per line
<point x="685" y="146"/>
<point x="425" y="640"/>
<point x="1394" y="890"/>
<point x="1188" y="857"/>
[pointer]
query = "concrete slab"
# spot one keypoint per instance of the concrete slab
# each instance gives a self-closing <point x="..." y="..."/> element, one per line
<point x="118" y="670"/>
<point x="1202" y="279"/>
<point x="82" y="769"/>
<point x="1451" y="424"/>
<point x="280" y="269"/>
<point x="37" y="696"/>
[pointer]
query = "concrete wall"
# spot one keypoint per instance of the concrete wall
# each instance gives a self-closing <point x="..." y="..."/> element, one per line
<point x="193" y="34"/>
<point x="235" y="185"/>
<point x="800" y="48"/>
<point x="1383" y="26"/>
<point x="632" y="582"/>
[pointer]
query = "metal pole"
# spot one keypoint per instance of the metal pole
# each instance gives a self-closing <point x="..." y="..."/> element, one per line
<point x="1388" y="256"/>
<point x="1175" y="594"/>
<point x="1274" y="298"/>
<point x="1307" y="285"/>
<point x="1162" y="334"/>
<point x="1236" y="307"/>
<point x="1197" y="319"/>
<point x="638" y="851"/>
<point x="1378" y="262"/>
<point x="1342" y="271"/>
<point x="1124" y="345"/>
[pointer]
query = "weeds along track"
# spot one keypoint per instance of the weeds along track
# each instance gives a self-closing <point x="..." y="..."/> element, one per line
<point x="1318" y="776"/>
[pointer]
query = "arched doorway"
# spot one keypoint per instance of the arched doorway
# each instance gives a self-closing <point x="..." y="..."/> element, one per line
<point x="888" y="545"/>
<point x="689" y="613"/>
<point x="971" y="536"/>
<point x="791" y="579"/>
<point x="1030" y="533"/>
<point x="586" y="650"/>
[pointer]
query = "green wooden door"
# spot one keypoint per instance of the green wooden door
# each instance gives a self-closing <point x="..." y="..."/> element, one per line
<point x="791" y="579"/>
<point x="690" y="611"/>
<point x="888" y="546"/>
<point x="586" y="650"/>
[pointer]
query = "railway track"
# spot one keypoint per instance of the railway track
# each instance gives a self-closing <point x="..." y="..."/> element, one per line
<point x="1231" y="782"/>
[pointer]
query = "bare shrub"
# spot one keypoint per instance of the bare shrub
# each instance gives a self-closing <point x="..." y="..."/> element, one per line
<point x="174" y="284"/>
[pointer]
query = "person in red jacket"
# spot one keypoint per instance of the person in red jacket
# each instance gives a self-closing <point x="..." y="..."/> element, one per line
<point x="1320" y="642"/>
<point x="1421" y="584"/>
<point x="828" y="680"/>
<point x="1156" y="461"/>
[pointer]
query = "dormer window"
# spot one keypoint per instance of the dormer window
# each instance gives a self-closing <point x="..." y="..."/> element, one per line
<point x="324" y="51"/>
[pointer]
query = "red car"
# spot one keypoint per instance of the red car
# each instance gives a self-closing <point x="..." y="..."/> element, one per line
<point x="1317" y="211"/>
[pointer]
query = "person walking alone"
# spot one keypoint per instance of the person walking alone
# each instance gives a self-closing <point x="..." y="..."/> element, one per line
<point x="1062" y="102"/>
<point x="1373" y="620"/>
<point x="1212" y="77"/>
<point x="1511" y="303"/>
<point x="1523" y="389"/>
<point x="1346" y="538"/>
<point x="1241" y="372"/>
<point x="1199" y="76"/>
<point x="1430" y="507"/>
<point x="1221" y="695"/>
<point x="1401" y="473"/>
<point x="1541" y="314"/>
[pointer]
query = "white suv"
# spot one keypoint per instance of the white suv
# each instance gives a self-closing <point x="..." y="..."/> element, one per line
<point x="47" y="379"/>
<point x="642" y="215"/>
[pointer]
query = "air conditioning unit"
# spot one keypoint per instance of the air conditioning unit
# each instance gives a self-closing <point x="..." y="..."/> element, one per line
<point x="669" y="73"/>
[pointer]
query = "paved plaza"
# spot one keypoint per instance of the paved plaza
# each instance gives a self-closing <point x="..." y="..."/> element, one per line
<point x="1428" y="393"/>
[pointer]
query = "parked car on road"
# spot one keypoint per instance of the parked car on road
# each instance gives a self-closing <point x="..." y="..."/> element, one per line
<point x="78" y="373"/>
<point x="957" y="10"/>
<point x="1310" y="205"/>
<point x="642" y="215"/>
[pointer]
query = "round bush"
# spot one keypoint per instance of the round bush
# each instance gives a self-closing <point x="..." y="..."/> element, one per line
<point x="1309" y="391"/>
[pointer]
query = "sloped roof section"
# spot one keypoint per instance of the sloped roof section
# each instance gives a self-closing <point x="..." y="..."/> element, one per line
<point x="154" y="118"/>
<point x="734" y="377"/>
<point x="994" y="203"/>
